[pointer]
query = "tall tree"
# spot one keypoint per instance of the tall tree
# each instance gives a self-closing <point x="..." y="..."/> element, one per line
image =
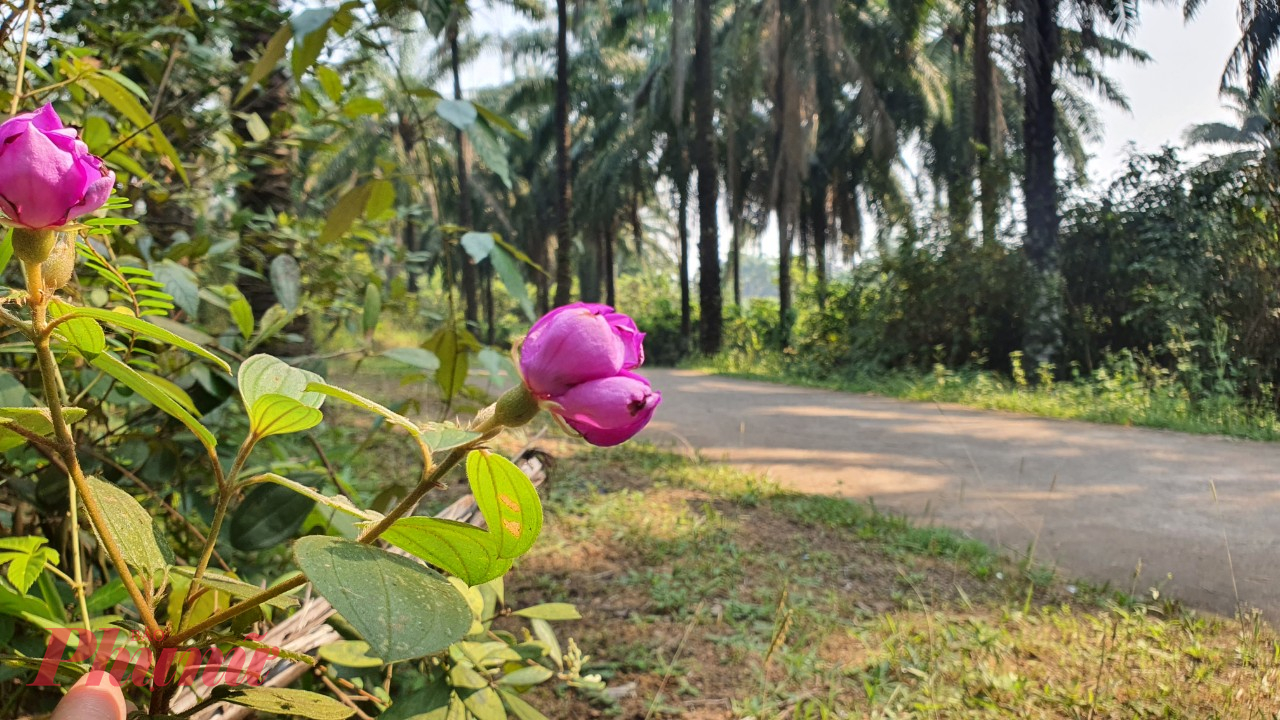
<point x="1259" y="37"/>
<point x="984" y="98"/>
<point x="470" y="274"/>
<point x="710" y="301"/>
<point x="564" y="183"/>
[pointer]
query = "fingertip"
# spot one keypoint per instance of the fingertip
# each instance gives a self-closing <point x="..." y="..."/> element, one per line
<point x="95" y="696"/>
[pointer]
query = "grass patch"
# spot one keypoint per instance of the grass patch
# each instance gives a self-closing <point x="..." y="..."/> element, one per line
<point x="710" y="593"/>
<point x="1123" y="394"/>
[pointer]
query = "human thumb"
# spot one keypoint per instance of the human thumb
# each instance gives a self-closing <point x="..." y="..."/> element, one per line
<point x="95" y="696"/>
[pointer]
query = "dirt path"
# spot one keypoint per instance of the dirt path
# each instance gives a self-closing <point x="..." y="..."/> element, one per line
<point x="1096" y="500"/>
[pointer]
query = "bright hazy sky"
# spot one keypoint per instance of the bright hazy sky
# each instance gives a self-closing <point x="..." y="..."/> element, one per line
<point x="1179" y="87"/>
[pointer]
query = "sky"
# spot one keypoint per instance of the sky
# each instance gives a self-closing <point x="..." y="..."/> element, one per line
<point x="1178" y="88"/>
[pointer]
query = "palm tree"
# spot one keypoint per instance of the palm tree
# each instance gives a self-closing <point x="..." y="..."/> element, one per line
<point x="1254" y="132"/>
<point x="1259" y="36"/>
<point x="1041" y="55"/>
<point x="564" y="181"/>
<point x="704" y="155"/>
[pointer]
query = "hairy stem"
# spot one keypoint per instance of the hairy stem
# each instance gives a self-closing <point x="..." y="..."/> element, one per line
<point x="66" y="446"/>
<point x="429" y="481"/>
<point x="76" y="569"/>
<point x="226" y="489"/>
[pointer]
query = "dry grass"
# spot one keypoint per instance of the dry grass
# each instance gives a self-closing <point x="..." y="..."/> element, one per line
<point x="708" y="594"/>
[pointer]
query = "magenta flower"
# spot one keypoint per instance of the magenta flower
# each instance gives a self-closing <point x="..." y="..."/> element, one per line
<point x="610" y="411"/>
<point x="577" y="359"/>
<point x="577" y="343"/>
<point x="47" y="176"/>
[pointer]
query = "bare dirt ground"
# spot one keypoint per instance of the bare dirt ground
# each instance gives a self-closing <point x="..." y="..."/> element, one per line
<point x="1196" y="517"/>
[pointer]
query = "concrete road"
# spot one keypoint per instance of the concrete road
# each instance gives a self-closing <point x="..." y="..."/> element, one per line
<point x="1095" y="500"/>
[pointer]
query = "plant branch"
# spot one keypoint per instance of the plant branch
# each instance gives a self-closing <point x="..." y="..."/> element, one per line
<point x="22" y="58"/>
<point x="65" y="441"/>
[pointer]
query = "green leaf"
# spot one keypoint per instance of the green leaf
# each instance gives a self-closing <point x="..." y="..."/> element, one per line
<point x="33" y="420"/>
<point x="458" y="113"/>
<point x="490" y="152"/>
<point x="372" y="307"/>
<point x="263" y="375"/>
<point x="415" y="357"/>
<point x="526" y="676"/>
<point x="485" y="705"/>
<point x="258" y="129"/>
<point x="358" y="107"/>
<point x="111" y="365"/>
<point x="285" y="701"/>
<point x="551" y="611"/>
<point x="519" y="708"/>
<point x="403" y="610"/>
<point x="179" y="282"/>
<point x="458" y="548"/>
<point x="350" y="653"/>
<point x="547" y="636"/>
<point x="391" y="416"/>
<point x="236" y="588"/>
<point x="279" y="415"/>
<point x="310" y="29"/>
<point x="269" y="516"/>
<point x="508" y="501"/>
<point x="513" y="280"/>
<point x="242" y="314"/>
<point x="330" y="82"/>
<point x="496" y="121"/>
<point x="140" y="541"/>
<point x="442" y="436"/>
<point x="172" y="390"/>
<point x="150" y="330"/>
<point x="82" y="332"/>
<point x="450" y="348"/>
<point x="6" y="249"/>
<point x="286" y="281"/>
<point x="271" y="56"/>
<point x="430" y="703"/>
<point x="344" y="213"/>
<point x="382" y="196"/>
<point x="26" y="557"/>
<point x="478" y="245"/>
<point x="125" y="102"/>
<point x="108" y="596"/>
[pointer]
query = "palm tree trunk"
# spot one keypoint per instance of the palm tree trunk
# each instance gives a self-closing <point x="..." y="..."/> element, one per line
<point x="735" y="259"/>
<point x="610" y="239"/>
<point x="589" y="267"/>
<point x="710" y="299"/>
<point x="1041" y="44"/>
<point x="564" y="198"/>
<point x="983" y="101"/>
<point x="818" y="221"/>
<point x="784" y="279"/>
<point x="682" y="218"/>
<point x="470" y="276"/>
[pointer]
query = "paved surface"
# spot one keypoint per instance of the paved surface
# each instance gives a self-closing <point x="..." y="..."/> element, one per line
<point x="1094" y="500"/>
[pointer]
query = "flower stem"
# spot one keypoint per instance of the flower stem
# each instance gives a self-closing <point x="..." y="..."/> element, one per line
<point x="65" y="443"/>
<point x="431" y="479"/>
<point x="76" y="570"/>
<point x="226" y="490"/>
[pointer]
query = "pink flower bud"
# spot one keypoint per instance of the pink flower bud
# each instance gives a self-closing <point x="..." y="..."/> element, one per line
<point x="47" y="176"/>
<point x="609" y="411"/>
<point x="577" y="343"/>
